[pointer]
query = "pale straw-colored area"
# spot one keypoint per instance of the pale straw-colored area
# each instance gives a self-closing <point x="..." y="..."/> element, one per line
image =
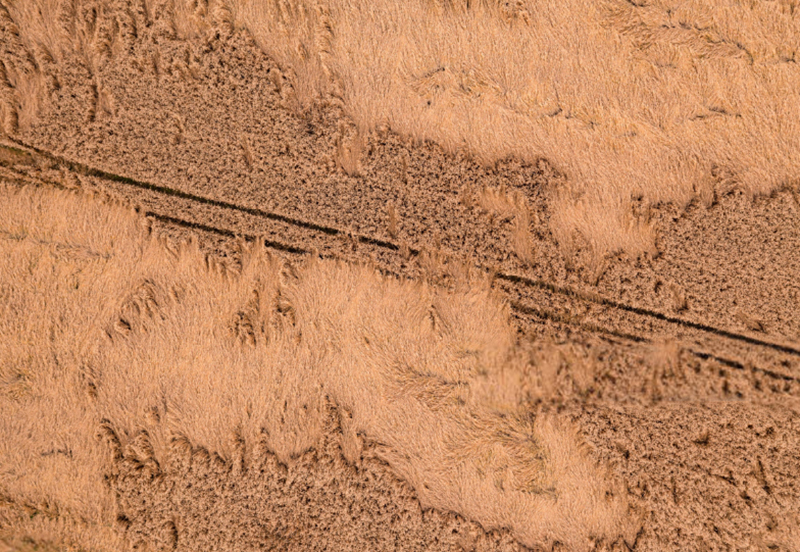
<point x="629" y="101"/>
<point x="633" y="101"/>
<point x="103" y="323"/>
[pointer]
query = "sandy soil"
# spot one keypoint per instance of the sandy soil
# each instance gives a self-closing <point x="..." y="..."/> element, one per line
<point x="693" y="385"/>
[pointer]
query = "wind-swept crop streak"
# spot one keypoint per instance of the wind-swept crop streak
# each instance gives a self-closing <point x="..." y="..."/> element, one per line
<point x="549" y="287"/>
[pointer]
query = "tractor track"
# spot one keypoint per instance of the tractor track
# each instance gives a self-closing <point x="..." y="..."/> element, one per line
<point x="557" y="304"/>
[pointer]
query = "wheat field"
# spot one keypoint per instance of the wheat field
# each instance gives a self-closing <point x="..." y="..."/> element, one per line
<point x="120" y="345"/>
<point x="104" y="324"/>
<point x="649" y="101"/>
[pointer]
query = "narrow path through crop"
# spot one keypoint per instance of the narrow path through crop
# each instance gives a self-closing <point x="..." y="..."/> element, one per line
<point x="26" y="154"/>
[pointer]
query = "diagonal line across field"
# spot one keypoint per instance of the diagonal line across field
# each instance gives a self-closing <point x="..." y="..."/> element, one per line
<point x="512" y="285"/>
<point x="83" y="169"/>
<point x="646" y="312"/>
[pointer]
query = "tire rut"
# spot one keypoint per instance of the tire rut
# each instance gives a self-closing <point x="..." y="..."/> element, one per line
<point x="556" y="304"/>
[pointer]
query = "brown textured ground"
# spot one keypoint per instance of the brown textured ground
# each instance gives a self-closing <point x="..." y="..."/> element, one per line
<point x="706" y="435"/>
<point x="320" y="503"/>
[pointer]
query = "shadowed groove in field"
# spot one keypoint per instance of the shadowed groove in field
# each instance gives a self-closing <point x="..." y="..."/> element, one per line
<point x="739" y="366"/>
<point x="516" y="279"/>
<point x="224" y="232"/>
<point x="540" y="313"/>
<point x="646" y="312"/>
<point x="545" y="314"/>
<point x="85" y="170"/>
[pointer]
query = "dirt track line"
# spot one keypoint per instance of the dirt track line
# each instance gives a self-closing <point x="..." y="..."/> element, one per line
<point x="86" y="170"/>
<point x="545" y="314"/>
<point x="542" y="314"/>
<point x="173" y="220"/>
<point x="645" y="312"/>
<point x="83" y="169"/>
<point x="227" y="233"/>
